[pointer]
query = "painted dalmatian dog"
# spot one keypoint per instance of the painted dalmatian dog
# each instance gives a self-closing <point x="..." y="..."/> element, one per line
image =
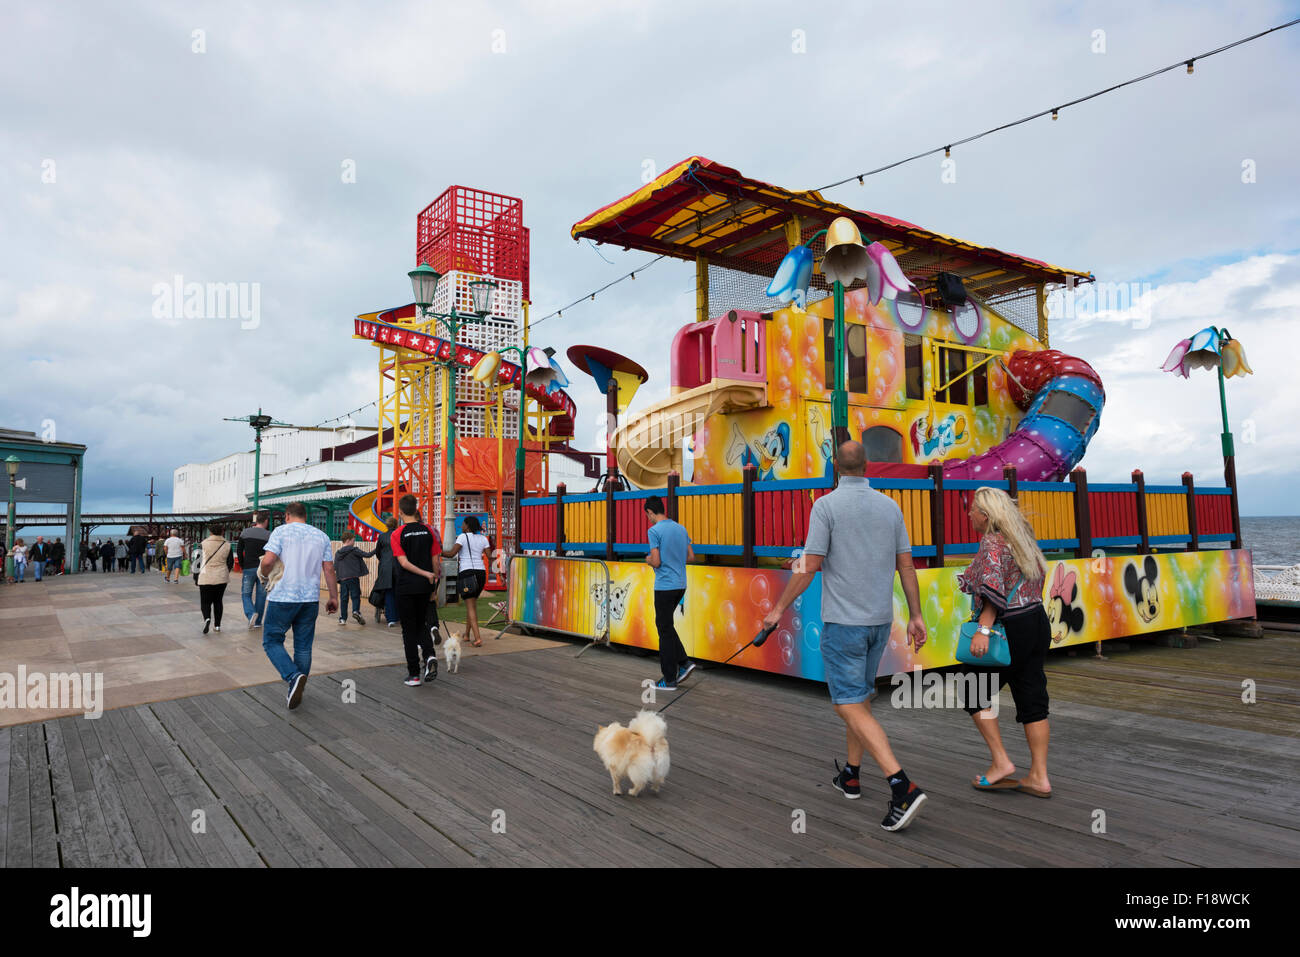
<point x="617" y="602"/>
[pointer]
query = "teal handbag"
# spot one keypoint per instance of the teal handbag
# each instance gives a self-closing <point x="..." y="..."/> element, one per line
<point x="998" y="654"/>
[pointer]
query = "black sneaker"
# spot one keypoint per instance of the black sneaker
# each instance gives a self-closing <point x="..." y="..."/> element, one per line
<point x="430" y="668"/>
<point x="295" y="691"/>
<point x="846" y="785"/>
<point x="356" y="616"/>
<point x="207" y="623"/>
<point x="685" y="670"/>
<point x="898" y="816"/>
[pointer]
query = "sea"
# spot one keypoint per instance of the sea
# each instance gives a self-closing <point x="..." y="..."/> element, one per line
<point x="1272" y="540"/>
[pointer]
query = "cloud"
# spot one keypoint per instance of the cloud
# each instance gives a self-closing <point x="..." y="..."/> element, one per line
<point x="227" y="166"/>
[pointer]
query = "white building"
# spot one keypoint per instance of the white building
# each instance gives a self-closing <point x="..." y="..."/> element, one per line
<point x="309" y="459"/>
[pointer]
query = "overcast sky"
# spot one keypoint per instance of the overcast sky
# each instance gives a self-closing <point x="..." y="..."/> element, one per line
<point x="134" y="149"/>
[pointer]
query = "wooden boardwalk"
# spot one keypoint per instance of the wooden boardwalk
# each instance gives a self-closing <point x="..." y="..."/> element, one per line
<point x="494" y="766"/>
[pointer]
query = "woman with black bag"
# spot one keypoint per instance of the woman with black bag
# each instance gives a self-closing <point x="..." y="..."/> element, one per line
<point x="473" y="551"/>
<point x="381" y="596"/>
<point x="1005" y="582"/>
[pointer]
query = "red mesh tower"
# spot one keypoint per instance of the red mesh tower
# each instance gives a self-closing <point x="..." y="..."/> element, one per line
<point x="475" y="231"/>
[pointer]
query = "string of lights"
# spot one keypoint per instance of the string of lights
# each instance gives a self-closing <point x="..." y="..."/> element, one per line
<point x="591" y="296"/>
<point x="946" y="149"/>
<point x="1054" y="111"/>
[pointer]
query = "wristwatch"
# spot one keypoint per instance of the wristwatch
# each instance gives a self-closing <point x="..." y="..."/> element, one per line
<point x="984" y="630"/>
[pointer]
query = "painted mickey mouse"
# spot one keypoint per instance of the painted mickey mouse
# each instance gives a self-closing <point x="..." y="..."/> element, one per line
<point x="1142" y="588"/>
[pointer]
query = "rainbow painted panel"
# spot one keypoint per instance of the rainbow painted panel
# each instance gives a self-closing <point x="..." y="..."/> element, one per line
<point x="1087" y="600"/>
<point x="563" y="594"/>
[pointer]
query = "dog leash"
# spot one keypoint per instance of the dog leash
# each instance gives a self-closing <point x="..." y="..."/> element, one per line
<point x="756" y="641"/>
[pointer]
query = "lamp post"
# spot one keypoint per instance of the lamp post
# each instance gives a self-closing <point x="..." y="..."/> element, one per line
<point x="545" y="372"/>
<point x="11" y="466"/>
<point x="845" y="261"/>
<point x="259" y="423"/>
<point x="424" y="284"/>
<point x="1213" y="347"/>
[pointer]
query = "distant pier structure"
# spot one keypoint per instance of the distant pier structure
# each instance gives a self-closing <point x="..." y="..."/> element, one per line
<point x="48" y="472"/>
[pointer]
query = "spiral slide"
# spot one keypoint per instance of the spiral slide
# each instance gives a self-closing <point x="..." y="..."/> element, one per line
<point x="648" y="445"/>
<point x="1063" y="398"/>
<point x="362" y="517"/>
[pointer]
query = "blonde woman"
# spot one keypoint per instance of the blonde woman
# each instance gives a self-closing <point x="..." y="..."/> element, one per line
<point x="1005" y="582"/>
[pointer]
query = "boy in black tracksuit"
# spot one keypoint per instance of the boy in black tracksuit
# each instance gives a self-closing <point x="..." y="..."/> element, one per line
<point x="415" y="576"/>
<point x="350" y="567"/>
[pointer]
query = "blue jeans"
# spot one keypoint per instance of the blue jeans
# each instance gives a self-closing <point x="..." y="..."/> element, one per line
<point x="137" y="560"/>
<point x="19" y="568"/>
<point x="253" y="605"/>
<point x="280" y="616"/>
<point x="851" y="654"/>
<point x="390" y="606"/>
<point x="349" y="587"/>
<point x="37" y="568"/>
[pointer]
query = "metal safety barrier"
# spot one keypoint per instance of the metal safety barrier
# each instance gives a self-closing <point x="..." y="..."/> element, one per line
<point x="543" y="591"/>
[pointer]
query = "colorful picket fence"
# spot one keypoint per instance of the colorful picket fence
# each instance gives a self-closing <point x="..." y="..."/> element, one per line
<point x="753" y="519"/>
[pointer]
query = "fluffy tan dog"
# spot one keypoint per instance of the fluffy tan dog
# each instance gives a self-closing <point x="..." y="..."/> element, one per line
<point x="638" y="752"/>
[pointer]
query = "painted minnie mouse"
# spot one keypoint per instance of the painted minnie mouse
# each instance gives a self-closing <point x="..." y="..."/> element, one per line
<point x="1061" y="613"/>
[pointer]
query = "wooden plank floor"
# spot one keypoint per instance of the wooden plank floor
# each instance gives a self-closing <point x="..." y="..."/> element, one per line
<point x="494" y="767"/>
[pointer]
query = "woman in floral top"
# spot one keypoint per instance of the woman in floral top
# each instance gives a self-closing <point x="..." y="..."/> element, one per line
<point x="1005" y="582"/>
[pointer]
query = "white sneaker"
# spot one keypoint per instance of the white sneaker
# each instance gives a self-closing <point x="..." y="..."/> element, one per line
<point x="217" y="629"/>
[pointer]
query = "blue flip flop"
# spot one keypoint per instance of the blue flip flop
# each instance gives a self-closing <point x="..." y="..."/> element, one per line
<point x="1002" y="784"/>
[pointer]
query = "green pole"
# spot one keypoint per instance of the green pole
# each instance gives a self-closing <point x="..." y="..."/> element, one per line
<point x="257" y="462"/>
<point x="449" y="518"/>
<point x="839" y="395"/>
<point x="1223" y="399"/>
<point x="74" y="531"/>
<point x="9" y="533"/>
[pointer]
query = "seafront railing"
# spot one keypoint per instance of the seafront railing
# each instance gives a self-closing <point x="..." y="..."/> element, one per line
<point x="756" y="520"/>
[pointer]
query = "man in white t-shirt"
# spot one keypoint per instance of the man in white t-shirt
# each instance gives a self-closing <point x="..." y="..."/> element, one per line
<point x="294" y="601"/>
<point x="175" y="552"/>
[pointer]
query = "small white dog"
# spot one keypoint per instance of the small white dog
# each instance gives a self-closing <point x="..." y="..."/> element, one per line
<point x="638" y="752"/>
<point x="451" y="651"/>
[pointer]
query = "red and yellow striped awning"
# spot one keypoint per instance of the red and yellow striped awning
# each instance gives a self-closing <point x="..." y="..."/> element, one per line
<point x="699" y="208"/>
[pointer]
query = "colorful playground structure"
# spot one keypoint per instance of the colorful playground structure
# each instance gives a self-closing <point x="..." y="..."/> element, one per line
<point x="951" y="385"/>
<point x="467" y="237"/>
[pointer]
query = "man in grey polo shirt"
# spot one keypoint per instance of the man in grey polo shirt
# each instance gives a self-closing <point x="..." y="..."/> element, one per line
<point x="857" y="540"/>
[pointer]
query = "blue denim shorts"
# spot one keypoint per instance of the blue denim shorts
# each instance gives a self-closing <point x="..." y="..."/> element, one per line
<point x="852" y="655"/>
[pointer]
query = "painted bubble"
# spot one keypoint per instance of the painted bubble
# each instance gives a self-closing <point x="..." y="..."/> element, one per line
<point x="786" y="643"/>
